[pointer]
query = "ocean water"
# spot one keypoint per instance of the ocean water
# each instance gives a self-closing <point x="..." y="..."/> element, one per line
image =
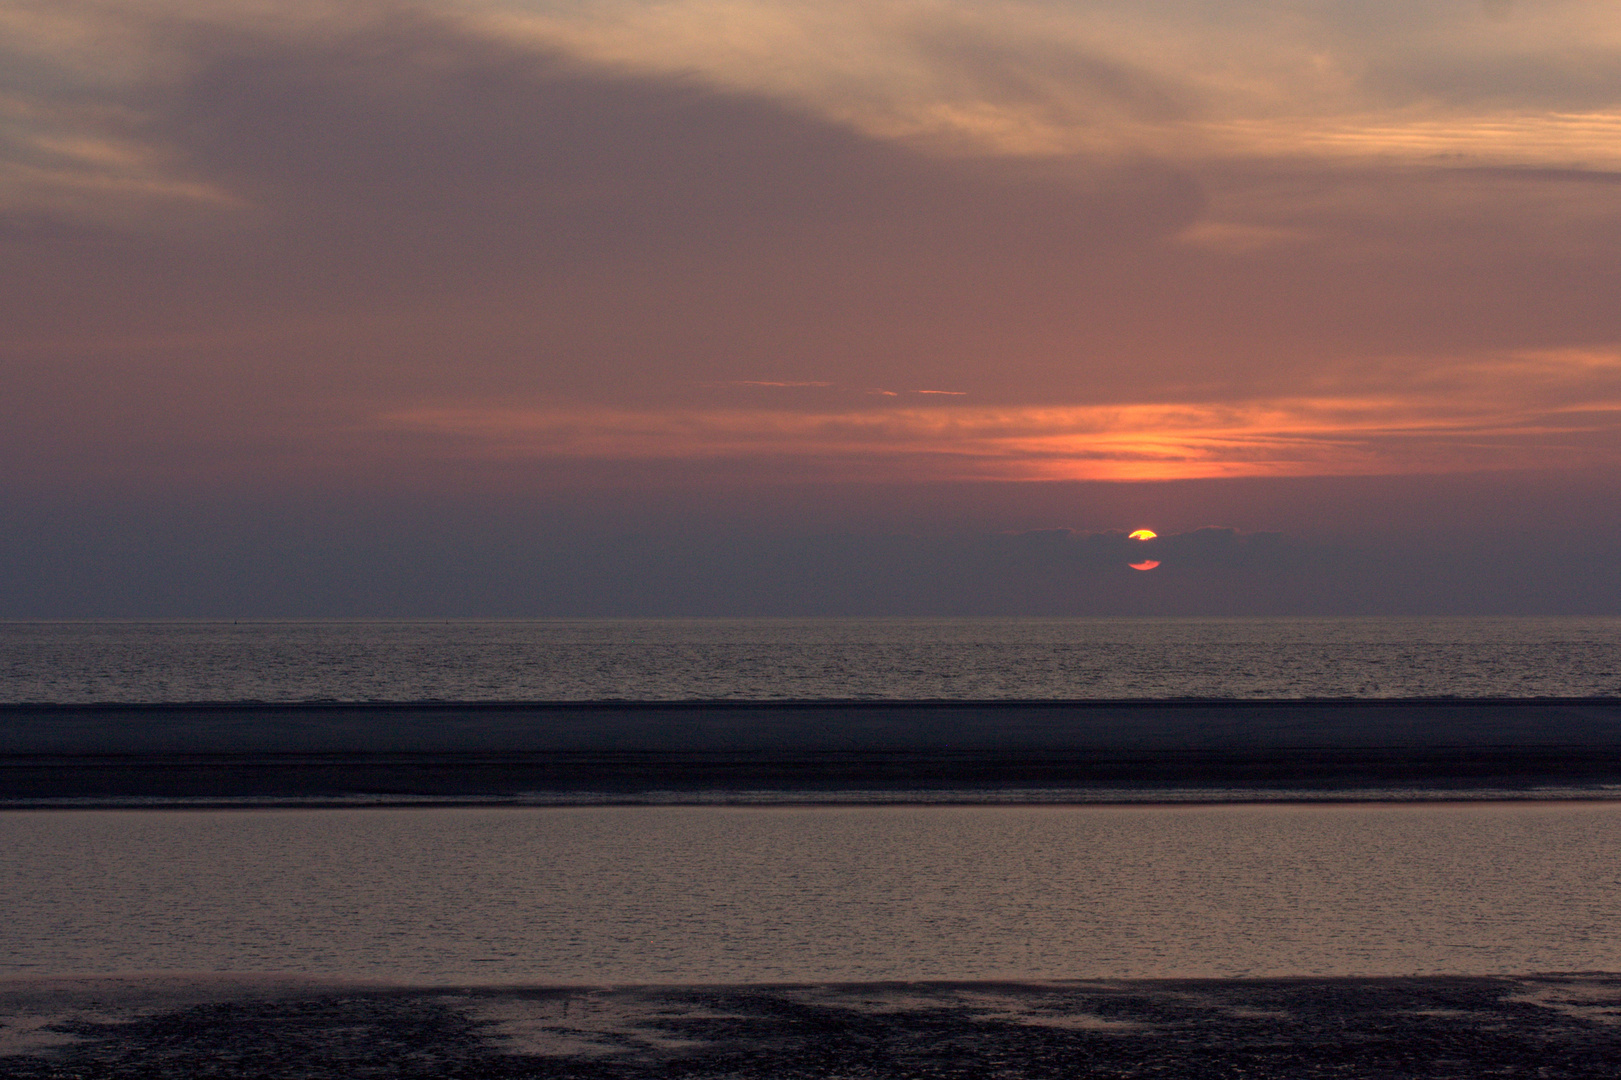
<point x="661" y="895"/>
<point x="766" y="659"/>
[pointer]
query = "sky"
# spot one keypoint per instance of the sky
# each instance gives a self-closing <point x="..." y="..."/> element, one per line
<point x="702" y="307"/>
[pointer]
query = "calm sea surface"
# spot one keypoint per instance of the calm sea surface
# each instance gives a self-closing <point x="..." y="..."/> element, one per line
<point x="610" y="895"/>
<point x="807" y="658"/>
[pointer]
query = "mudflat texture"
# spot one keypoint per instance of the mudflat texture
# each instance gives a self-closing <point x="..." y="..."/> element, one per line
<point x="1535" y="1026"/>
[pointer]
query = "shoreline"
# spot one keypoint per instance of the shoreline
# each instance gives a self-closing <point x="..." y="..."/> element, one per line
<point x="799" y="801"/>
<point x="618" y="704"/>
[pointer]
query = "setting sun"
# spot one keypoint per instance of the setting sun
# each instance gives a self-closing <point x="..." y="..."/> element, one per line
<point x="1142" y="534"/>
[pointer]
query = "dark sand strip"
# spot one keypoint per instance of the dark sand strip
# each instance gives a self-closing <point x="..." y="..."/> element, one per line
<point x="1553" y="1026"/>
<point x="798" y="726"/>
<point x="595" y="751"/>
<point x="632" y="778"/>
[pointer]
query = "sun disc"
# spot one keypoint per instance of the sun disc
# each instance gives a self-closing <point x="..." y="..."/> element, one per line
<point x="1149" y="565"/>
<point x="1142" y="534"/>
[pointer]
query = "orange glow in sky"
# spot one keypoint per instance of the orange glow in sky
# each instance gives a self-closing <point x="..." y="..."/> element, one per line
<point x="1422" y="431"/>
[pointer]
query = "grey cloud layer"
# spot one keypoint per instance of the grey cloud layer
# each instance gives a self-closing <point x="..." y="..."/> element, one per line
<point x="366" y="556"/>
<point x="417" y="153"/>
<point x="1199" y="549"/>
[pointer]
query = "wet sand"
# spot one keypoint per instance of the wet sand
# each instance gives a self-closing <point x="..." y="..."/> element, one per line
<point x="1544" y="1026"/>
<point x="114" y="755"/>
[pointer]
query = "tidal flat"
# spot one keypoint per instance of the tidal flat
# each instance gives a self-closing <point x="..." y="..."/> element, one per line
<point x="1553" y="1026"/>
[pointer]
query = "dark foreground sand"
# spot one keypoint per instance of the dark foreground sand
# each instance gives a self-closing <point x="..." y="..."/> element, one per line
<point x="1541" y="1026"/>
<point x="549" y="752"/>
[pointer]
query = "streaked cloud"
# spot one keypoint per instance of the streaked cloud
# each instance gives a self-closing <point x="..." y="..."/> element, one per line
<point x="774" y="384"/>
<point x="1534" y="85"/>
<point x="1570" y="416"/>
<point x="1573" y="140"/>
<point x="1177" y="78"/>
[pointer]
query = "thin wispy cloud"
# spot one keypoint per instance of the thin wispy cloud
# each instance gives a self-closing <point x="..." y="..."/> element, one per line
<point x="1535" y="86"/>
<point x="1575" y="419"/>
<point x="1045" y="79"/>
<point x="773" y="384"/>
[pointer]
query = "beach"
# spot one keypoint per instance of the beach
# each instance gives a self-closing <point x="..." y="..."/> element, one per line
<point x="560" y="752"/>
<point x="1554" y="1026"/>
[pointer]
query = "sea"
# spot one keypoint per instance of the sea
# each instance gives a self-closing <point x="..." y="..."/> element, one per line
<point x="807" y="659"/>
<point x="615" y="895"/>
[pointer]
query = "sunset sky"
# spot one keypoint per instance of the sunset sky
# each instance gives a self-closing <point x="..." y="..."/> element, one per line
<point x="549" y="307"/>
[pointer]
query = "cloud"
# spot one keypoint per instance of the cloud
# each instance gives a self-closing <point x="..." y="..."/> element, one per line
<point x="250" y="242"/>
<point x="1462" y="418"/>
<point x="683" y="552"/>
<point x="1206" y="548"/>
<point x="405" y="152"/>
<point x="1171" y="78"/>
<point x="773" y="384"/>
